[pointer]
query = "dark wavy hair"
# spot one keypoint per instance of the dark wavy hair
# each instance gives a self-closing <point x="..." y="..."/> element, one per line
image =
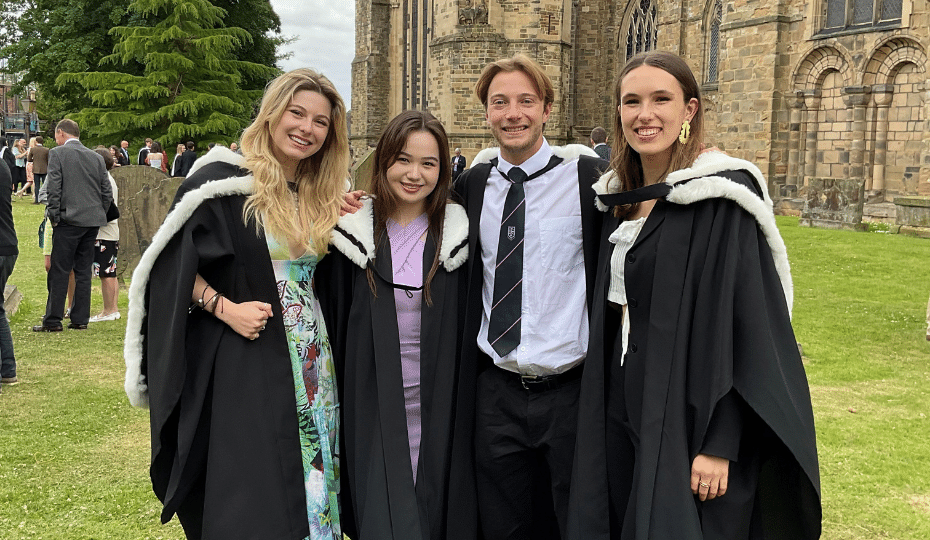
<point x="390" y="145"/>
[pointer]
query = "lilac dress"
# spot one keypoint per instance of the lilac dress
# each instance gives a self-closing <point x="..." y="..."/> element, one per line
<point x="407" y="245"/>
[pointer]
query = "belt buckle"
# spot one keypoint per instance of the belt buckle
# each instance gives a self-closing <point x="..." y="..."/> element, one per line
<point x="528" y="378"/>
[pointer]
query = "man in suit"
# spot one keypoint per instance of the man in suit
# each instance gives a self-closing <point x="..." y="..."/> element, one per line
<point x="533" y="241"/>
<point x="124" y="149"/>
<point x="599" y="142"/>
<point x="187" y="160"/>
<point x="144" y="152"/>
<point x="38" y="155"/>
<point x="79" y="195"/>
<point x="458" y="164"/>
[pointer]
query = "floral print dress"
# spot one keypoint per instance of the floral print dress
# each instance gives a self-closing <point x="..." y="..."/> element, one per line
<point x="315" y="387"/>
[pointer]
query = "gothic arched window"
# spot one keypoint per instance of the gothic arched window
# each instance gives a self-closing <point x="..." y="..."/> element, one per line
<point x="642" y="34"/>
<point x="713" y="42"/>
<point x="860" y="14"/>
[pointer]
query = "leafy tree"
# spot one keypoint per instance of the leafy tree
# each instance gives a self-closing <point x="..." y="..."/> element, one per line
<point x="44" y="38"/>
<point x="261" y="22"/>
<point x="190" y="86"/>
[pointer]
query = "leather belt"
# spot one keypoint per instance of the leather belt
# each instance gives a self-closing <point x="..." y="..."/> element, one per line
<point x="541" y="383"/>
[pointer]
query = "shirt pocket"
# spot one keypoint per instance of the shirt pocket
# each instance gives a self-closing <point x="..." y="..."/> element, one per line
<point x="560" y="243"/>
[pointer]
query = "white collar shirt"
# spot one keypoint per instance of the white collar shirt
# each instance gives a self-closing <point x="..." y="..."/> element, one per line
<point x="554" y="323"/>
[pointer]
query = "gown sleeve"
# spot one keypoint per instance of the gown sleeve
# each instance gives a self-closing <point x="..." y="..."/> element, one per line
<point x="180" y="346"/>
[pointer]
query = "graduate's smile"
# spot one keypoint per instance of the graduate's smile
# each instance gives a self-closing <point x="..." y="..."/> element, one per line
<point x="303" y="128"/>
<point x="414" y="173"/>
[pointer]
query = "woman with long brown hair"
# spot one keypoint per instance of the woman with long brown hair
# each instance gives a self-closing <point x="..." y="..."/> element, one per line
<point x="390" y="294"/>
<point x="695" y="416"/>
<point x="225" y="340"/>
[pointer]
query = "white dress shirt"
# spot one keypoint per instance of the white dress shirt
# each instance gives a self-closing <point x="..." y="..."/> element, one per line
<point x="554" y="325"/>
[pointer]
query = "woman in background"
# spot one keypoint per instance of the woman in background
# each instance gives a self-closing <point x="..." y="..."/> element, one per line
<point x="30" y="180"/>
<point x="176" y="164"/>
<point x="106" y="248"/>
<point x="231" y="353"/>
<point x="157" y="158"/>
<point x="390" y="295"/>
<point x="20" y="152"/>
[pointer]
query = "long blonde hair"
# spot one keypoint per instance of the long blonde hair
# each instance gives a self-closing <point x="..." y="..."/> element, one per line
<point x="320" y="177"/>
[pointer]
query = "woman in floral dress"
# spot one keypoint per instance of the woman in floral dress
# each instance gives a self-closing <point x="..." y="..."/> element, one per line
<point x="225" y="340"/>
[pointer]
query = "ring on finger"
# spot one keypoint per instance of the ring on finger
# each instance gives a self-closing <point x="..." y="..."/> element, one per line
<point x="704" y="484"/>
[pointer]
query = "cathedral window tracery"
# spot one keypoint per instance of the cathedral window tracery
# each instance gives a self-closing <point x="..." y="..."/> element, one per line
<point x="713" y="42"/>
<point x="643" y="29"/>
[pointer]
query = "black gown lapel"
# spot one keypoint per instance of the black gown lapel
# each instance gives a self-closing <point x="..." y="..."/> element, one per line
<point x="436" y="396"/>
<point x="665" y="299"/>
<point x="396" y="446"/>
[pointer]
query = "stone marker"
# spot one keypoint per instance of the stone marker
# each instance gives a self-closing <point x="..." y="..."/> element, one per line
<point x="834" y="203"/>
<point x="145" y="195"/>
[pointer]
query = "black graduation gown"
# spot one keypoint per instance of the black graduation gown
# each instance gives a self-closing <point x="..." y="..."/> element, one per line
<point x="708" y="318"/>
<point x="379" y="499"/>
<point x="226" y="455"/>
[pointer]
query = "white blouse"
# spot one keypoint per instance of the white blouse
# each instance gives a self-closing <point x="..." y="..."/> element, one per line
<point x="622" y="238"/>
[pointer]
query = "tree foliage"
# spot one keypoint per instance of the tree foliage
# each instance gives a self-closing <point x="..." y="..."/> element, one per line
<point x="261" y="22"/>
<point x="190" y="86"/>
<point x="44" y="38"/>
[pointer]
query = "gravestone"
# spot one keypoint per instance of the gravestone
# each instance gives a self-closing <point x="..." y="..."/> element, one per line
<point x="834" y="203"/>
<point x="913" y="215"/>
<point x="12" y="297"/>
<point x="145" y="195"/>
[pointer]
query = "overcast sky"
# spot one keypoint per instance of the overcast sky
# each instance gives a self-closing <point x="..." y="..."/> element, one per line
<point x="325" y="32"/>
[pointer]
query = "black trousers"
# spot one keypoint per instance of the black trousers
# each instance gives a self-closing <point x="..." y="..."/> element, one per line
<point x="37" y="179"/>
<point x="525" y="445"/>
<point x="72" y="249"/>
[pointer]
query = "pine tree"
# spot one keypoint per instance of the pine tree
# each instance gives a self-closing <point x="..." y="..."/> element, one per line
<point x="190" y="87"/>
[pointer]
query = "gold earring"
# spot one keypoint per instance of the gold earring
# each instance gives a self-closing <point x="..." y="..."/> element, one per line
<point x="685" y="132"/>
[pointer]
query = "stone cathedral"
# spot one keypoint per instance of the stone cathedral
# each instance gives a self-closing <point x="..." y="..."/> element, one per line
<point x="803" y="88"/>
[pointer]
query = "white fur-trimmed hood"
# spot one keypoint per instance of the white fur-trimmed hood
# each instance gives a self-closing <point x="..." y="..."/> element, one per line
<point x="567" y="152"/>
<point x="704" y="183"/>
<point x="354" y="237"/>
<point x="135" y="384"/>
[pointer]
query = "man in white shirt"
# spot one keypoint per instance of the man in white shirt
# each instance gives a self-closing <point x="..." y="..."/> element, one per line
<point x="533" y="245"/>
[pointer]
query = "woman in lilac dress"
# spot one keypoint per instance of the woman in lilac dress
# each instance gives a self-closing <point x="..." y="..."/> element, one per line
<point x="390" y="298"/>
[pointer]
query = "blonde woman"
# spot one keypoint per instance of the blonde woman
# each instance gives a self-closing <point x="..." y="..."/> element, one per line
<point x="20" y="152"/>
<point x="30" y="180"/>
<point x="225" y="342"/>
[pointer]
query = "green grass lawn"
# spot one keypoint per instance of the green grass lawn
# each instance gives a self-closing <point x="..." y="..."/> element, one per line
<point x="74" y="454"/>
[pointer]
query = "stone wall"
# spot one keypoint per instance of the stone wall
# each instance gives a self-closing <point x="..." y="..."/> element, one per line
<point x="798" y="101"/>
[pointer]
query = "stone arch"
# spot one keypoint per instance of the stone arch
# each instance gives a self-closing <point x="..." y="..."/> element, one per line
<point x="818" y="63"/>
<point x="895" y="73"/>
<point x="887" y="58"/>
<point x="817" y="116"/>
